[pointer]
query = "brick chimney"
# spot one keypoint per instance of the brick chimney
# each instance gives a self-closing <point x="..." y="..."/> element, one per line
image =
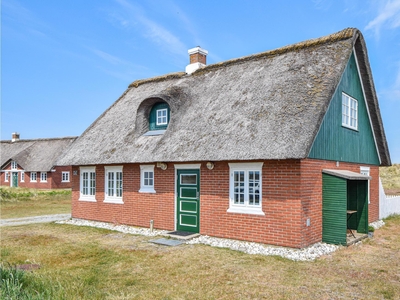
<point x="197" y="59"/>
<point x="15" y="137"/>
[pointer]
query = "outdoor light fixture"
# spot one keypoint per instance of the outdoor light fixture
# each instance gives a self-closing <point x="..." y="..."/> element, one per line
<point x="162" y="165"/>
<point x="210" y="165"/>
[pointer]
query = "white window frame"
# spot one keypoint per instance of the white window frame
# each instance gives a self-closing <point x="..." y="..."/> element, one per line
<point x="91" y="190"/>
<point x="115" y="170"/>
<point x="161" y="110"/>
<point x="66" y="175"/>
<point x="14" y="165"/>
<point x="7" y="177"/>
<point x="22" y="176"/>
<point x="43" y="176"/>
<point x="146" y="170"/>
<point x="349" y="112"/>
<point x="366" y="171"/>
<point x="245" y="208"/>
<point x="33" y="177"/>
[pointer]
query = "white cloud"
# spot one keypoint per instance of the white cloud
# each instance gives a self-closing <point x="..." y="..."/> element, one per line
<point x="108" y="57"/>
<point x="133" y="16"/>
<point x="388" y="17"/>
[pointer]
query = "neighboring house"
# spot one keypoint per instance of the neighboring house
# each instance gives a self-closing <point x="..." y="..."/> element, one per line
<point x="275" y="147"/>
<point x="31" y="163"/>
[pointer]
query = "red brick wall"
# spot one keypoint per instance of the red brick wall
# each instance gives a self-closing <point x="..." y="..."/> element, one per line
<point x="53" y="179"/>
<point x="311" y="182"/>
<point x="56" y="178"/>
<point x="291" y="194"/>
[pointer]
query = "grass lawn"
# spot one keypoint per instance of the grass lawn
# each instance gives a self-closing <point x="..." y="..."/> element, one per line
<point x="20" y="202"/>
<point x="90" y="263"/>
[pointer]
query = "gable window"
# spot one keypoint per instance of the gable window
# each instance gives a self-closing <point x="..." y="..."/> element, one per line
<point x="7" y="177"/>
<point x="113" y="184"/>
<point x="65" y="177"/>
<point x="87" y="184"/>
<point x="33" y="176"/>
<point x="349" y="112"/>
<point x="14" y="165"/>
<point x="22" y="176"/>
<point x="43" y="176"/>
<point x="147" y="179"/>
<point x="159" y="116"/>
<point x="245" y="188"/>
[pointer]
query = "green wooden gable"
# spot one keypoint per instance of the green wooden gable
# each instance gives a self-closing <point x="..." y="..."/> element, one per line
<point x="336" y="142"/>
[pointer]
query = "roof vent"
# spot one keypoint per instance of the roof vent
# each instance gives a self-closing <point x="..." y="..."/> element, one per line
<point x="197" y="59"/>
<point x="15" y="137"/>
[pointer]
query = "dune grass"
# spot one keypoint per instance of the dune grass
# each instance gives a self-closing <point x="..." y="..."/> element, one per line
<point x="89" y="263"/>
<point x="390" y="177"/>
<point x="22" y="202"/>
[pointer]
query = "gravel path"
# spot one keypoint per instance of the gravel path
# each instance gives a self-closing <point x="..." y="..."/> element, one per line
<point x="32" y="220"/>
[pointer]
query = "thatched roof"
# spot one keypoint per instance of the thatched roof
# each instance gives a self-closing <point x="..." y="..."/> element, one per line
<point x="38" y="155"/>
<point x="264" y="106"/>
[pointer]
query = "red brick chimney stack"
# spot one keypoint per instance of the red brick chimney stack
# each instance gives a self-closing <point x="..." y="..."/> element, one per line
<point x="15" y="137"/>
<point x="198" y="59"/>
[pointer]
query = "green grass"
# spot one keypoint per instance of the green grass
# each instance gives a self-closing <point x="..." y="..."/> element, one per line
<point x="20" y="202"/>
<point x="89" y="263"/>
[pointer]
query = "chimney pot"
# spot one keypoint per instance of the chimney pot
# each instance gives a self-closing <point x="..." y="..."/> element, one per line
<point x="15" y="137"/>
<point x="198" y="59"/>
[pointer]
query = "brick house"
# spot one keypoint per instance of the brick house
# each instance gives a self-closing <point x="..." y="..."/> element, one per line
<point x="276" y="147"/>
<point x="31" y="163"/>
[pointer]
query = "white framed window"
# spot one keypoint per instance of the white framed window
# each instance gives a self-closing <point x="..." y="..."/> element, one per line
<point x="22" y="176"/>
<point x="87" y="184"/>
<point x="43" y="176"/>
<point x="64" y="176"/>
<point x="113" y="184"/>
<point x="33" y="176"/>
<point x="161" y="117"/>
<point x="245" y="188"/>
<point x="365" y="171"/>
<point x="349" y="112"/>
<point x="14" y="165"/>
<point x="147" y="179"/>
<point x="7" y="177"/>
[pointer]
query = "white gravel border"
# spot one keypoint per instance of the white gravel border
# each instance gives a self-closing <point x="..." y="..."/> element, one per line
<point x="307" y="254"/>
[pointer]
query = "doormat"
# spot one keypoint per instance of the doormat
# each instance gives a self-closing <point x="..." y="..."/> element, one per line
<point x="167" y="242"/>
<point x="181" y="233"/>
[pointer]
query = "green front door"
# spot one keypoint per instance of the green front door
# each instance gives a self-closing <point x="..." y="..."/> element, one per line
<point x="15" y="179"/>
<point x="188" y="200"/>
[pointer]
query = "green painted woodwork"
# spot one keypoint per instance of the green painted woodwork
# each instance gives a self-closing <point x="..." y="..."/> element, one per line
<point x="334" y="204"/>
<point x="153" y="116"/>
<point x="362" y="206"/>
<point x="338" y="196"/>
<point x="188" y="200"/>
<point x="15" y="179"/>
<point x="335" y="142"/>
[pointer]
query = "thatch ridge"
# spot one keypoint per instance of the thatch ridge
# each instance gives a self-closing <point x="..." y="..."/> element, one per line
<point x="338" y="36"/>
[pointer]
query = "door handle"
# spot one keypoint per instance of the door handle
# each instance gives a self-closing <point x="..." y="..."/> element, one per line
<point x="197" y="194"/>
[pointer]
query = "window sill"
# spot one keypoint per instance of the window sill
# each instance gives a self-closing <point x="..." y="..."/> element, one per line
<point x="147" y="190"/>
<point x="154" y="132"/>
<point x="114" y="200"/>
<point x="87" y="199"/>
<point x="351" y="128"/>
<point x="246" y="210"/>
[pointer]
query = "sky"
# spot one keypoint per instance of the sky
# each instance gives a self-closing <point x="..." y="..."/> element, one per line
<point x="63" y="63"/>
